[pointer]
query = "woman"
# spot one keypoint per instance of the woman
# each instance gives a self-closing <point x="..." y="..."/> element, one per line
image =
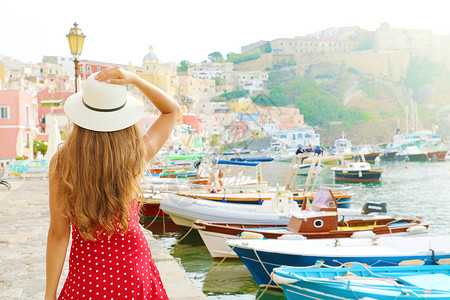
<point x="94" y="186"/>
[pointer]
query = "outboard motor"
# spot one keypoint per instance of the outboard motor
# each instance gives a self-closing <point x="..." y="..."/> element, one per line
<point x="372" y="207"/>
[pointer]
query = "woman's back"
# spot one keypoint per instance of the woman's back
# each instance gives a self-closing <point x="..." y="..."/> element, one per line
<point x="116" y="267"/>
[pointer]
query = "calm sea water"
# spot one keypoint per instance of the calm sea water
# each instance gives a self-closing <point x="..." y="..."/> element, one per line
<point x="413" y="189"/>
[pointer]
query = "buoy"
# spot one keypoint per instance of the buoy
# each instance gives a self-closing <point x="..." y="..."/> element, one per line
<point x="251" y="235"/>
<point x="363" y="234"/>
<point x="416" y="229"/>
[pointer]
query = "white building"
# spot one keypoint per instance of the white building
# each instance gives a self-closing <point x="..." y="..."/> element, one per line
<point x="209" y="70"/>
<point x="298" y="137"/>
<point x="251" y="81"/>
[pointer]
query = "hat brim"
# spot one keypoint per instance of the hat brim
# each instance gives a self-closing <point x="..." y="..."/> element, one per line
<point x="120" y="119"/>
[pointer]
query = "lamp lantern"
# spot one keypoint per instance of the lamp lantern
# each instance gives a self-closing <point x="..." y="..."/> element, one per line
<point x="76" y="40"/>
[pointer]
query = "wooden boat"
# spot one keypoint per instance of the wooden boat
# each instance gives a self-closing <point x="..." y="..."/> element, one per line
<point x="319" y="224"/>
<point x="262" y="256"/>
<point x="259" y="192"/>
<point x="358" y="281"/>
<point x="388" y="155"/>
<point x="412" y="153"/>
<point x="357" y="172"/>
<point x="215" y="234"/>
<point x="370" y="152"/>
<point x="151" y="217"/>
<point x="438" y="155"/>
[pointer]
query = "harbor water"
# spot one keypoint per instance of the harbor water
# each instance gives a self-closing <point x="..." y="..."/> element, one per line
<point x="411" y="189"/>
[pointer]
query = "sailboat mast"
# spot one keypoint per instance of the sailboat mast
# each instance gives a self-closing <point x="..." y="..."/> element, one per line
<point x="406" y="119"/>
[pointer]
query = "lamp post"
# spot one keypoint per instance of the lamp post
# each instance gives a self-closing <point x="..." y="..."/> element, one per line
<point x="76" y="40"/>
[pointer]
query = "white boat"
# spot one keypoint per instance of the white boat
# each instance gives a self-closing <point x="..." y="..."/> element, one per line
<point x="278" y="210"/>
<point x="304" y="169"/>
<point x="185" y="210"/>
<point x="343" y="147"/>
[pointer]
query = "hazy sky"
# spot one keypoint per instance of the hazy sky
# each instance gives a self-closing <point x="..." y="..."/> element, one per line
<point x="122" y="31"/>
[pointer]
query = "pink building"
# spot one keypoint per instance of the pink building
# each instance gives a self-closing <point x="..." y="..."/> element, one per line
<point x="18" y="112"/>
<point x="287" y="117"/>
<point x="238" y="130"/>
<point x="194" y="121"/>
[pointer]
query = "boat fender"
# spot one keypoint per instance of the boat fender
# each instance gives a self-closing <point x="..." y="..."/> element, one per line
<point x="363" y="234"/>
<point x="282" y="280"/>
<point x="251" y="235"/>
<point x="416" y="229"/>
<point x="291" y="237"/>
<point x="443" y="261"/>
<point x="411" y="262"/>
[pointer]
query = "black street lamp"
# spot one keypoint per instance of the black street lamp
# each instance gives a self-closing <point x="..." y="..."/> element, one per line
<point x="76" y="40"/>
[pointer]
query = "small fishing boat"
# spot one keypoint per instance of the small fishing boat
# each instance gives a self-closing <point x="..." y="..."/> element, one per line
<point x="438" y="155"/>
<point x="310" y="224"/>
<point x="357" y="281"/>
<point x="356" y="171"/>
<point x="343" y="147"/>
<point x="412" y="153"/>
<point x="262" y="256"/>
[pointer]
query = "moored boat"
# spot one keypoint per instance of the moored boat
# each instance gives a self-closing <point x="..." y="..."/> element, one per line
<point x="357" y="281"/>
<point x="262" y="256"/>
<point x="357" y="172"/>
<point x="438" y="155"/>
<point x="320" y="222"/>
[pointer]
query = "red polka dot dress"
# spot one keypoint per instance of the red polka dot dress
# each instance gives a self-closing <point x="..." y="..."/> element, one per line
<point x="118" y="268"/>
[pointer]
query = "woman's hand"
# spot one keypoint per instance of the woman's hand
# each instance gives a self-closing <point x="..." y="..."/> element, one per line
<point x="116" y="75"/>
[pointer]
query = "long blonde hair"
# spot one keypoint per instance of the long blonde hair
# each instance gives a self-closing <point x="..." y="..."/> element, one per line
<point x="99" y="176"/>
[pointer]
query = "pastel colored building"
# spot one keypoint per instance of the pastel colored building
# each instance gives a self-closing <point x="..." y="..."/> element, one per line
<point x="162" y="75"/>
<point x="241" y="105"/>
<point x="194" y="121"/>
<point x="18" y="112"/>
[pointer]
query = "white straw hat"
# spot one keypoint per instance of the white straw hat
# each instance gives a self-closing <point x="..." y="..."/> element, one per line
<point x="103" y="107"/>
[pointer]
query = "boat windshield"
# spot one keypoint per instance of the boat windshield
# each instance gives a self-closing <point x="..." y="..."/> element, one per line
<point x="323" y="200"/>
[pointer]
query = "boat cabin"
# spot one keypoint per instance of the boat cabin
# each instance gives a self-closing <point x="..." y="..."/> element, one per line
<point x="321" y="218"/>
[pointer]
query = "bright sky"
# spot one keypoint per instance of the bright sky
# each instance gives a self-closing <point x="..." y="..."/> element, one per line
<point x="122" y="31"/>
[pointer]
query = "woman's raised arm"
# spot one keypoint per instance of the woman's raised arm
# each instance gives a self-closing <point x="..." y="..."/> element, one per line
<point x="161" y="129"/>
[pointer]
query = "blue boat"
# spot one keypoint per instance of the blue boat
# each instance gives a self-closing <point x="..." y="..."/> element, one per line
<point x="262" y="256"/>
<point x="361" y="282"/>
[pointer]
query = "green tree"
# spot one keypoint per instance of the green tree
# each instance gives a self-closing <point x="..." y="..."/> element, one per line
<point x="183" y="66"/>
<point x="239" y="58"/>
<point x="215" y="56"/>
<point x="267" y="48"/>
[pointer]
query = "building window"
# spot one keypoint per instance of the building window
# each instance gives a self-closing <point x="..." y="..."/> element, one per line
<point x="98" y="69"/>
<point x="89" y="69"/>
<point x="4" y="112"/>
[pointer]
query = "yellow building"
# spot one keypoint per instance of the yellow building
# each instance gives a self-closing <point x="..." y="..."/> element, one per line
<point x="241" y="105"/>
<point x="161" y="75"/>
<point x="2" y="75"/>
